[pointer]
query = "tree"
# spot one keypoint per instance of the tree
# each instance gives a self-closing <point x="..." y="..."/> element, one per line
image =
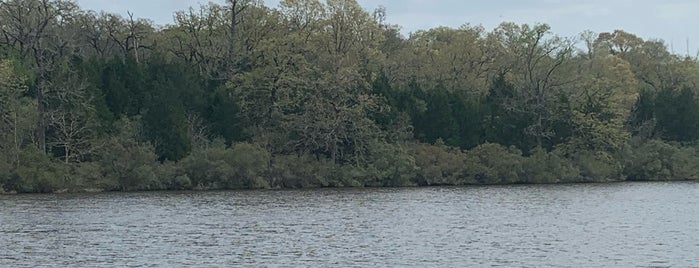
<point x="71" y="117"/>
<point x="335" y="121"/>
<point x="198" y="38"/>
<point x="677" y="115"/>
<point x="617" y="43"/>
<point x="456" y="59"/>
<point x="37" y="31"/>
<point x="536" y="62"/>
<point x="503" y="125"/>
<point x="123" y="83"/>
<point x="600" y="102"/>
<point x="126" y="161"/>
<point x="438" y="121"/>
<point x="96" y="34"/>
<point x="17" y="114"/>
<point x="165" y="117"/>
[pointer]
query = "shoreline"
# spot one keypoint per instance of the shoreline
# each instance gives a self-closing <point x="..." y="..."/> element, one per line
<point x="101" y="191"/>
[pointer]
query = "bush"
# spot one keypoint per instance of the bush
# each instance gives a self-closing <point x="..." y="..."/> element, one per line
<point x="87" y="175"/>
<point x="548" y="167"/>
<point x="658" y="160"/>
<point x="126" y="163"/>
<point x="172" y="177"/>
<point x="351" y="176"/>
<point x="292" y="171"/>
<point x="37" y="173"/>
<point x="598" y="166"/>
<point x="494" y="164"/>
<point x="685" y="164"/>
<point x="438" y="164"/>
<point x="243" y="166"/>
<point x="5" y="172"/>
<point x="207" y="167"/>
<point x="250" y="166"/>
<point x="390" y="165"/>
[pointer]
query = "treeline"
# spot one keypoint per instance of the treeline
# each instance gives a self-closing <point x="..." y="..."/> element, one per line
<point x="327" y="94"/>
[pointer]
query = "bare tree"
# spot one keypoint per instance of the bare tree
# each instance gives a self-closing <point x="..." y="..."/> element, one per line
<point x="33" y="28"/>
<point x="71" y="118"/>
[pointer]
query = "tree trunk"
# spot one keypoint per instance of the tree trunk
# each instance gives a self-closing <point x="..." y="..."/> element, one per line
<point x="231" y="41"/>
<point x="16" y="139"/>
<point x="41" y="108"/>
<point x="67" y="149"/>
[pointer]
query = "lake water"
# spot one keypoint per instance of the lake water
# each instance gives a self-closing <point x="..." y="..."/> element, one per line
<point x="585" y="225"/>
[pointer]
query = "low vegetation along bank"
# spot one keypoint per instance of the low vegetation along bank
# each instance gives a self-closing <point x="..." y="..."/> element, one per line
<point x="131" y="167"/>
<point x="328" y="94"/>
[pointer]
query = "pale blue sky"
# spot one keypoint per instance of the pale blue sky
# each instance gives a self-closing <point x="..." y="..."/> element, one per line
<point x="674" y="21"/>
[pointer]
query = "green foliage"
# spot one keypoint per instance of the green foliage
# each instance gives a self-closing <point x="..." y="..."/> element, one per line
<point x="677" y="114"/>
<point x="437" y="121"/>
<point x="165" y="120"/>
<point x="207" y="167"/>
<point x="127" y="163"/>
<point x="494" y="164"/>
<point x="657" y="160"/>
<point x="390" y="165"/>
<point x="173" y="177"/>
<point x="548" y="167"/>
<point x="223" y="114"/>
<point x="439" y="164"/>
<point x="323" y="94"/>
<point x="504" y="125"/>
<point x="250" y="164"/>
<point x="292" y="171"/>
<point x="86" y="176"/>
<point x="38" y="173"/>
<point x="598" y="166"/>
<point x="123" y="82"/>
<point x="242" y="166"/>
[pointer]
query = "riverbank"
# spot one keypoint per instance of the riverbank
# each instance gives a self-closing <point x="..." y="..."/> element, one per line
<point x="248" y="166"/>
<point x="199" y="190"/>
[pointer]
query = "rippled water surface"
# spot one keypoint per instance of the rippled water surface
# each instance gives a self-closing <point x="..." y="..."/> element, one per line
<point x="592" y="225"/>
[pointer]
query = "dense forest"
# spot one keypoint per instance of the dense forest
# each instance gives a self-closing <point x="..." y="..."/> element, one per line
<point x="327" y="94"/>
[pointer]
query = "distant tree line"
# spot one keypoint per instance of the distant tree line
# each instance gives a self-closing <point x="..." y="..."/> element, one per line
<point x="327" y="94"/>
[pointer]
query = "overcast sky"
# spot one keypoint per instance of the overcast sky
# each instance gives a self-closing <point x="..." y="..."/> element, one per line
<point x="674" y="21"/>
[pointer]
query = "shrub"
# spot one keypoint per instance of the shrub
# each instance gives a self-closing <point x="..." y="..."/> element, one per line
<point x="390" y="165"/>
<point x="598" y="166"/>
<point x="685" y="164"/>
<point x="126" y="163"/>
<point x="293" y="171"/>
<point x="37" y="173"/>
<point x="548" y="167"/>
<point x="206" y="167"/>
<point x="86" y="175"/>
<point x="658" y="160"/>
<point x="438" y="164"/>
<point x="172" y="177"/>
<point x="494" y="164"/>
<point x="5" y="173"/>
<point x="244" y="165"/>
<point x="250" y="166"/>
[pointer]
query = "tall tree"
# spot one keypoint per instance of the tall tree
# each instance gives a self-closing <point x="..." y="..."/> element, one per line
<point x="36" y="30"/>
<point x="536" y="61"/>
<point x="165" y="117"/>
<point x="17" y="114"/>
<point x="71" y="117"/>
